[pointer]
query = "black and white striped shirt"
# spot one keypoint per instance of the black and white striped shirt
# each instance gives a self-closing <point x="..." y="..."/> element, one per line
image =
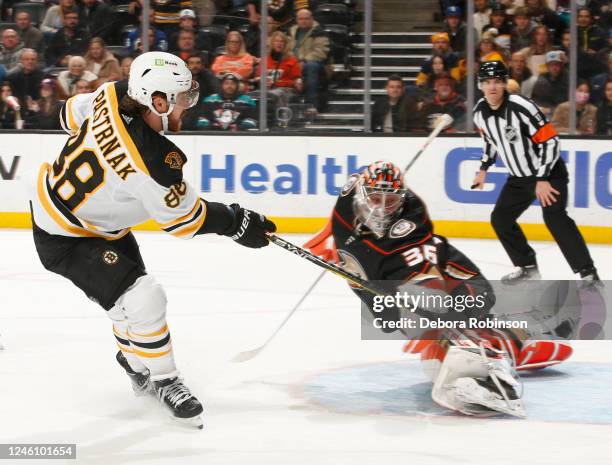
<point x="520" y="134"/>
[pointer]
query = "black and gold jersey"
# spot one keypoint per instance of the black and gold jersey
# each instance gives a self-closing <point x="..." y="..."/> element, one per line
<point x="113" y="173"/>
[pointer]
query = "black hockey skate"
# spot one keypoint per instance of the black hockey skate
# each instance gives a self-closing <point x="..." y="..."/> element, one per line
<point x="183" y="405"/>
<point x="522" y="273"/>
<point x="590" y="276"/>
<point x="141" y="384"/>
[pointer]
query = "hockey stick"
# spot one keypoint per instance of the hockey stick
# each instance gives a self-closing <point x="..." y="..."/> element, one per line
<point x="444" y="121"/>
<point x="251" y="354"/>
<point x="303" y="253"/>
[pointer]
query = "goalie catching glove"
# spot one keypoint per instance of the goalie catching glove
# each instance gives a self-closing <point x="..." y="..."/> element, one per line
<point x="249" y="228"/>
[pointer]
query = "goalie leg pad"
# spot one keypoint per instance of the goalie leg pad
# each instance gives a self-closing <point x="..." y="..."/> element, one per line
<point x="476" y="380"/>
<point x="541" y="354"/>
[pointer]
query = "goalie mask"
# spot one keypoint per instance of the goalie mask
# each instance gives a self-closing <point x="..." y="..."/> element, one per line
<point x="379" y="197"/>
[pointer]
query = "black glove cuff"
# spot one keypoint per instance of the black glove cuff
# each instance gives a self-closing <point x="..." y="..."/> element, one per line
<point x="220" y="219"/>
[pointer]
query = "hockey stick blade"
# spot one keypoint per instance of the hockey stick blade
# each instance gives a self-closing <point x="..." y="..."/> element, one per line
<point x="444" y="121"/>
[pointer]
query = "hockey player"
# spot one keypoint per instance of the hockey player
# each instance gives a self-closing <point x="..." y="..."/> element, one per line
<point x="382" y="231"/>
<point x="117" y="170"/>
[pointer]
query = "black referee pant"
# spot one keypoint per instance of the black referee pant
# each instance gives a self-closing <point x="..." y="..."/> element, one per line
<point x="516" y="196"/>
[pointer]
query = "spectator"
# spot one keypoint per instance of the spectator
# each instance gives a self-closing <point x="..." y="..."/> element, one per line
<point x="535" y="54"/>
<point x="158" y="41"/>
<point x="54" y="17"/>
<point x="25" y="78"/>
<point x="604" y="111"/>
<point x="10" y="108"/>
<point x="167" y="13"/>
<point x="591" y="39"/>
<point x="586" y="114"/>
<point x="44" y="112"/>
<point x="551" y="88"/>
<point x="30" y="36"/>
<point x="438" y="68"/>
<point x="68" y="79"/>
<point x="153" y="42"/>
<point x="488" y="49"/>
<point x="82" y="87"/>
<point x="445" y="100"/>
<point x="604" y="53"/>
<point x="229" y="110"/>
<point x="441" y="47"/>
<point x="598" y="83"/>
<point x="521" y="74"/>
<point x="185" y="44"/>
<point x="126" y="63"/>
<point x="70" y="40"/>
<point x="499" y="22"/>
<point x="543" y="15"/>
<point x="565" y="42"/>
<point x="189" y="22"/>
<point x="456" y="30"/>
<point x="482" y="15"/>
<point x="311" y="46"/>
<point x="520" y="35"/>
<point x="10" y="52"/>
<point x="395" y="112"/>
<point x="209" y="84"/>
<point x="98" y="20"/>
<point x="280" y="13"/>
<point x="236" y="59"/>
<point x="101" y="62"/>
<point x="284" y="79"/>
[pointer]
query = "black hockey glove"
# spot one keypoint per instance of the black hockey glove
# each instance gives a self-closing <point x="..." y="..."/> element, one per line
<point x="249" y="228"/>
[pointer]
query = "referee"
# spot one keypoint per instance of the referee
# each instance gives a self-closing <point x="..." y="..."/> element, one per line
<point x="514" y="128"/>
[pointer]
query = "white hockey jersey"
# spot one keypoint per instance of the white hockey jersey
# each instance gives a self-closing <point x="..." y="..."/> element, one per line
<point x="113" y="173"/>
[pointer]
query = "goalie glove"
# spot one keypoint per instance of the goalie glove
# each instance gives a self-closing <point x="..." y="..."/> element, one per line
<point x="249" y="228"/>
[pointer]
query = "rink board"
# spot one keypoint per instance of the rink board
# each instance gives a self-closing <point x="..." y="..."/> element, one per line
<point x="296" y="179"/>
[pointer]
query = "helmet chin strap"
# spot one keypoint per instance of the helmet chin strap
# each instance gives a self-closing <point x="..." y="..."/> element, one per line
<point x="163" y="116"/>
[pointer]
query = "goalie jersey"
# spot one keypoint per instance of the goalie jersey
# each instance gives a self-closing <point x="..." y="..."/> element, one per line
<point x="113" y="173"/>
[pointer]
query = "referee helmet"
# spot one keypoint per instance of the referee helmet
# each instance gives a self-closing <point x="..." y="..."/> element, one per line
<point x="492" y="69"/>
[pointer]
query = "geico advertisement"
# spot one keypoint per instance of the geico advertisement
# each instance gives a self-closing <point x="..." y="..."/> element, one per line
<point x="302" y="176"/>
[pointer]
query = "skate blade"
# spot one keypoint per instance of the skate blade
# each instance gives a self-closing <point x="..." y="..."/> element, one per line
<point x="193" y="422"/>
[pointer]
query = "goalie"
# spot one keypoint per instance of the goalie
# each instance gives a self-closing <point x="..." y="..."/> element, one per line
<point x="381" y="230"/>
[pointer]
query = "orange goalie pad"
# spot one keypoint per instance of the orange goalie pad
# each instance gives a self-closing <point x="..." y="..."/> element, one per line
<point x="322" y="244"/>
<point x="541" y="354"/>
<point x="532" y="355"/>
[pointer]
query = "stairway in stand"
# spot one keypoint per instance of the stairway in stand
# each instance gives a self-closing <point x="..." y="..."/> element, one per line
<point x="400" y="53"/>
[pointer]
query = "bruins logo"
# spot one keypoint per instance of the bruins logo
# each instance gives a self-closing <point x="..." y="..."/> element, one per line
<point x="174" y="160"/>
<point x="110" y="257"/>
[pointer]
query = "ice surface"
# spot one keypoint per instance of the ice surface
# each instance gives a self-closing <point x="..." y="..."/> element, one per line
<point x="316" y="395"/>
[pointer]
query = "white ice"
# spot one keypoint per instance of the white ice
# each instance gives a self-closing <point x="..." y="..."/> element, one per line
<point x="59" y="382"/>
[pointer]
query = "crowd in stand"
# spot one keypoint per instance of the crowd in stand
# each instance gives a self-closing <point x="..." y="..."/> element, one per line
<point x="532" y="38"/>
<point x="65" y="53"/>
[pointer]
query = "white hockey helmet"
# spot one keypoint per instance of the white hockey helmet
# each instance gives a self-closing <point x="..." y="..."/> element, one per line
<point x="162" y="72"/>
